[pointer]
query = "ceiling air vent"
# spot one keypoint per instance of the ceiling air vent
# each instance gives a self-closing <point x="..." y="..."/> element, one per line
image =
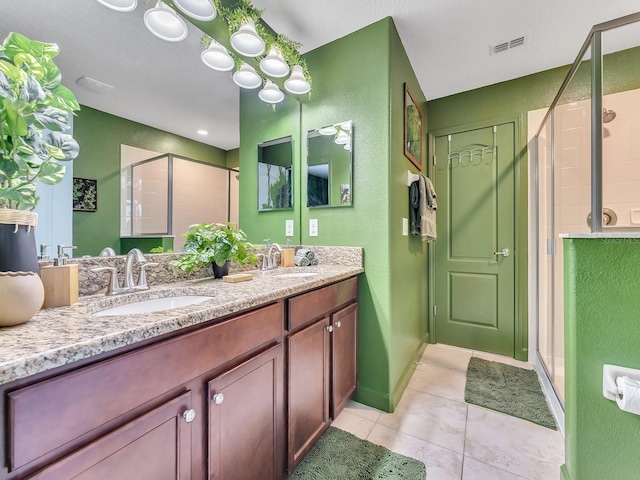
<point x="508" y="45"/>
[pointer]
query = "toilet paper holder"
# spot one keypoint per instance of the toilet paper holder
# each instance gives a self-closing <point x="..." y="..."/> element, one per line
<point x="610" y="373"/>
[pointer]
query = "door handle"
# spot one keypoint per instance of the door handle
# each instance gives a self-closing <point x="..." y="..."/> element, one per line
<point x="505" y="252"/>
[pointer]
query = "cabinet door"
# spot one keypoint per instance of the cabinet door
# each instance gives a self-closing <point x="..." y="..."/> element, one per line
<point x="155" y="446"/>
<point x="344" y="357"/>
<point x="246" y="420"/>
<point x="308" y="366"/>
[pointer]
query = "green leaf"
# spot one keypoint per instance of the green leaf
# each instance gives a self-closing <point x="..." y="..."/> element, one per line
<point x="52" y="76"/>
<point x="63" y="98"/>
<point x="52" y="118"/>
<point x="8" y="168"/>
<point x="51" y="173"/>
<point x="15" y="123"/>
<point x="32" y="91"/>
<point x="15" y="44"/>
<point x="65" y="143"/>
<point x="5" y="87"/>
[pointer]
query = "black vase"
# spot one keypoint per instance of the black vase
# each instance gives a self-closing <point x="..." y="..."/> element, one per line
<point x="18" y="250"/>
<point x="221" y="271"/>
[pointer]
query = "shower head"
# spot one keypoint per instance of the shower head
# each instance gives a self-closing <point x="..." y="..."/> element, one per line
<point x="608" y="115"/>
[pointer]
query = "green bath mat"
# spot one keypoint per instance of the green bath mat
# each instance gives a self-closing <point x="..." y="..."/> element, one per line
<point x="507" y="389"/>
<point x="338" y="455"/>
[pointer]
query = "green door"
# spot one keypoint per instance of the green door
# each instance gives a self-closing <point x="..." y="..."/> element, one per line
<point x="475" y="250"/>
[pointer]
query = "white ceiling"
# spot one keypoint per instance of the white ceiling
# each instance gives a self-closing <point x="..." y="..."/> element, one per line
<point x="166" y="85"/>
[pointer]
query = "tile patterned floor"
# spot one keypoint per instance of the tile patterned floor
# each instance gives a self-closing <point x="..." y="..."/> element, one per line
<point x="456" y="440"/>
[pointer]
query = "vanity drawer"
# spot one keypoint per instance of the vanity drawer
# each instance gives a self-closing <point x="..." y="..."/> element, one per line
<point x="310" y="306"/>
<point x="48" y="415"/>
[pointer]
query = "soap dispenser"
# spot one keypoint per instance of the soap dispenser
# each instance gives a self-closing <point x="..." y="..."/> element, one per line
<point x="287" y="256"/>
<point x="60" y="281"/>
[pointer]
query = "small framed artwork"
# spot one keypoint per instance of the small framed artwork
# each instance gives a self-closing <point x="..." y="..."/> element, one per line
<point x="412" y="129"/>
<point x="85" y="194"/>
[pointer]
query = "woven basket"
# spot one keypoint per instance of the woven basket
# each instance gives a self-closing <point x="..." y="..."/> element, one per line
<point x="10" y="216"/>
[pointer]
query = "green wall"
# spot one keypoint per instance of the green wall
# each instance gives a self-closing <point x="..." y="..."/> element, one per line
<point x="352" y="80"/>
<point x="602" y="325"/>
<point x="100" y="136"/>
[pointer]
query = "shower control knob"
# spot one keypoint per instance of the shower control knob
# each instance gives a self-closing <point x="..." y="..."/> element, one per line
<point x="505" y="252"/>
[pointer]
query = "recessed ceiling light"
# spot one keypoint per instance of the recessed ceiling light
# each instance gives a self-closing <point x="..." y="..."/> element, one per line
<point x="203" y="132"/>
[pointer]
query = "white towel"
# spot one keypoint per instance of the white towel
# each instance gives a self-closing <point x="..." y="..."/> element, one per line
<point x="427" y="212"/>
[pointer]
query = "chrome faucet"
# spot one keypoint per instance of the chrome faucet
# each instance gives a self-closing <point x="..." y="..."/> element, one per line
<point x="129" y="286"/>
<point x="133" y="254"/>
<point x="270" y="259"/>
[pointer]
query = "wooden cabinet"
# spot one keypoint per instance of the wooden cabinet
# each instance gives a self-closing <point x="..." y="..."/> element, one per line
<point x="156" y="445"/>
<point x="321" y="362"/>
<point x="242" y="398"/>
<point x="308" y="368"/>
<point x="246" y="419"/>
<point x="344" y="357"/>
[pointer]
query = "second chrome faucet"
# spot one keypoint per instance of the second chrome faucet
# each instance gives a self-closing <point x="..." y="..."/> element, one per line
<point x="114" y="288"/>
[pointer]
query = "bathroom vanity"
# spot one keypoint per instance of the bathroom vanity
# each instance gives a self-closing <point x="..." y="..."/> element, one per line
<point x="239" y="386"/>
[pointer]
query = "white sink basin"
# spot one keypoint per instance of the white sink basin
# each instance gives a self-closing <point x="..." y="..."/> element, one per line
<point x="298" y="275"/>
<point x="153" y="305"/>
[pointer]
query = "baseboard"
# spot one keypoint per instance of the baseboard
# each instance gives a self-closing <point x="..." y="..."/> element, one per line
<point x="373" y="398"/>
<point x="405" y="378"/>
<point x="565" y="473"/>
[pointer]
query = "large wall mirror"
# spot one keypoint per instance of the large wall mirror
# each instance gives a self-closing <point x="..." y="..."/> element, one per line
<point x="329" y="166"/>
<point x="275" y="181"/>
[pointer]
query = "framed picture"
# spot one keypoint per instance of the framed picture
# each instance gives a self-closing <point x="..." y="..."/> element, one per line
<point x="412" y="129"/>
<point x="85" y="194"/>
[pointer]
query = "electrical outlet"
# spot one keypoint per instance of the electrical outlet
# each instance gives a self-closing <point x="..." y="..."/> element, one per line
<point x="288" y="228"/>
<point x="405" y="227"/>
<point x="313" y="227"/>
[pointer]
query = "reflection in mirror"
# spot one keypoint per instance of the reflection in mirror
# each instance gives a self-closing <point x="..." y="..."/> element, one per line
<point x="329" y="165"/>
<point x="275" y="164"/>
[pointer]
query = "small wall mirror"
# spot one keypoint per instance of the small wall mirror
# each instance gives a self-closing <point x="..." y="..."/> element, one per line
<point x="275" y="183"/>
<point x="329" y="165"/>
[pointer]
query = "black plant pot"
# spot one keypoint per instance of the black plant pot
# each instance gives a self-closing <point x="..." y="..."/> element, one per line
<point x="18" y="250"/>
<point x="221" y="271"/>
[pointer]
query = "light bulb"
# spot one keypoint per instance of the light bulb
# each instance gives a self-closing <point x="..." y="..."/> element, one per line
<point x="164" y="23"/>
<point x="297" y="84"/>
<point x="271" y="93"/>
<point x="246" y="40"/>
<point x="246" y="77"/>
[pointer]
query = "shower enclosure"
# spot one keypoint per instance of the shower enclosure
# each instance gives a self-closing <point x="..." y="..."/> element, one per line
<point x="585" y="171"/>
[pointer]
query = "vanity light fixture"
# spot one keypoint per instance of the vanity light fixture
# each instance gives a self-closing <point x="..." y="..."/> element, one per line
<point x="271" y="93"/>
<point x="119" y="5"/>
<point x="165" y="23"/>
<point x="217" y="57"/>
<point x="273" y="64"/>
<point x="342" y="138"/>
<point x="330" y="130"/>
<point x="246" y="77"/>
<point x="347" y="146"/>
<point x="203" y="10"/>
<point x="246" y="40"/>
<point x="296" y="83"/>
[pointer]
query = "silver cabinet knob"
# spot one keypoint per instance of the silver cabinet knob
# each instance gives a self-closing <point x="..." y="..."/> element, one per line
<point x="330" y="328"/>
<point x="505" y="252"/>
<point x="189" y="415"/>
<point x="338" y="324"/>
<point x="218" y="398"/>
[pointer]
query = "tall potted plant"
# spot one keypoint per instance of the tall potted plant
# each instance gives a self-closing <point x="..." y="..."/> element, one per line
<point x="34" y="113"/>
<point x="217" y="244"/>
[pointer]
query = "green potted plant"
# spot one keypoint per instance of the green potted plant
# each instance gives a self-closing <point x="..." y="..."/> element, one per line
<point x="217" y="244"/>
<point x="34" y="113"/>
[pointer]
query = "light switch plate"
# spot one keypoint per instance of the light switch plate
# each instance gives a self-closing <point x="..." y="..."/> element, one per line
<point x="288" y="228"/>
<point x="313" y="227"/>
<point x="405" y="227"/>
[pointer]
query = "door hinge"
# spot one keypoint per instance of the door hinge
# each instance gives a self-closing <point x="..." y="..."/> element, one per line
<point x="435" y="310"/>
<point x="434" y="160"/>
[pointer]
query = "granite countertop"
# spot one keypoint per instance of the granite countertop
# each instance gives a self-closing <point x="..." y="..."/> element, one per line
<point x="59" y="336"/>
